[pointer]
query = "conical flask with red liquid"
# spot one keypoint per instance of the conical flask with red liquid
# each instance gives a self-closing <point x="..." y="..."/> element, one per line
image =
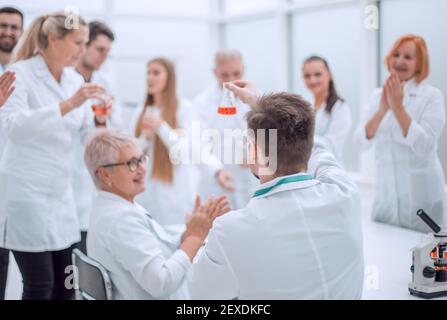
<point x="227" y="106"/>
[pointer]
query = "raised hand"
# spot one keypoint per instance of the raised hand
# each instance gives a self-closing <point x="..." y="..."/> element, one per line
<point x="85" y="92"/>
<point x="6" y="86"/>
<point x="225" y="180"/>
<point x="394" y="92"/>
<point x="244" y="90"/>
<point x="217" y="206"/>
<point x="151" y="122"/>
<point x="384" y="106"/>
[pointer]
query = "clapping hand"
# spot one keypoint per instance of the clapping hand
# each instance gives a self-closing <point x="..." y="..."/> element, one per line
<point x="6" y="86"/>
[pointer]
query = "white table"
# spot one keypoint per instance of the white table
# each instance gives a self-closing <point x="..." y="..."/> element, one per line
<point x="388" y="260"/>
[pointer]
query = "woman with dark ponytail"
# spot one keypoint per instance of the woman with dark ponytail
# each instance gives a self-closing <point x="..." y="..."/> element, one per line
<point x="332" y="114"/>
<point x="41" y="119"/>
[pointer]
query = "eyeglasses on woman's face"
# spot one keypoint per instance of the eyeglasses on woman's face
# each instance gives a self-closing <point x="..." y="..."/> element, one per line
<point x="133" y="164"/>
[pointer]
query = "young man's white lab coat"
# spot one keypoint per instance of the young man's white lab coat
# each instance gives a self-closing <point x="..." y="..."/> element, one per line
<point x="37" y="207"/>
<point x="409" y="175"/>
<point x="143" y="261"/>
<point x="299" y="240"/>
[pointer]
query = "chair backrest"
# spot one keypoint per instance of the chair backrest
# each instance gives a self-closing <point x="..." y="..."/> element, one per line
<point x="92" y="282"/>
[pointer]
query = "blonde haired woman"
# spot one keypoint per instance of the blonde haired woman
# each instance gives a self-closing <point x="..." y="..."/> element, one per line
<point x="173" y="182"/>
<point x="404" y="121"/>
<point x="38" y="220"/>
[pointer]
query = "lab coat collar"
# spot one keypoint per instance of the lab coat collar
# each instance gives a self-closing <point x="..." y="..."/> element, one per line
<point x="274" y="186"/>
<point x="412" y="88"/>
<point x="111" y="196"/>
<point x="42" y="71"/>
<point x="159" y="231"/>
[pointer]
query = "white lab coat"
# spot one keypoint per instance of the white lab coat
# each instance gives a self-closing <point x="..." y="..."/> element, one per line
<point x="409" y="173"/>
<point x="37" y="208"/>
<point x="2" y="135"/>
<point x="169" y="203"/>
<point x="143" y="260"/>
<point x="206" y="105"/>
<point x="2" y="142"/>
<point x="83" y="186"/>
<point x="300" y="240"/>
<point x="334" y="127"/>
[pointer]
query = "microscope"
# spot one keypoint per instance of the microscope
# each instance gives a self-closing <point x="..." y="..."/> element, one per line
<point x="429" y="268"/>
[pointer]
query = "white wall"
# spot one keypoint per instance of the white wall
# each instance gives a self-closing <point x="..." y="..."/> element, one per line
<point x="244" y="6"/>
<point x="324" y="32"/>
<point x="177" y="29"/>
<point x="257" y="40"/>
<point x="184" y="42"/>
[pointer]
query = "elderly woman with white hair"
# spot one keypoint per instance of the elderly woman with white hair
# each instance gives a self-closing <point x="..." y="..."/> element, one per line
<point x="144" y="262"/>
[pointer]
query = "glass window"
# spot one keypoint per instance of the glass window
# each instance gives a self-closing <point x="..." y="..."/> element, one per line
<point x="46" y="6"/>
<point x="335" y="35"/>
<point x="305" y="2"/>
<point x="166" y="7"/>
<point x="257" y="40"/>
<point x="244" y="6"/>
<point x="186" y="43"/>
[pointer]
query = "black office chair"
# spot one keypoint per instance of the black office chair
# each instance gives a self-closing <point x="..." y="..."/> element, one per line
<point x="92" y="282"/>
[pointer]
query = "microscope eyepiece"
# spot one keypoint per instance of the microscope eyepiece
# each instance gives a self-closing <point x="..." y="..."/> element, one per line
<point x="429" y="221"/>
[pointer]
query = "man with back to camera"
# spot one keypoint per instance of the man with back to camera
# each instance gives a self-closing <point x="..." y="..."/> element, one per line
<point x="228" y="66"/>
<point x="300" y="235"/>
<point x="11" y="28"/>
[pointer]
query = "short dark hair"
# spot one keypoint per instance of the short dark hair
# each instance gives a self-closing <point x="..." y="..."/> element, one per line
<point x="11" y="10"/>
<point x="294" y="120"/>
<point x="97" y="28"/>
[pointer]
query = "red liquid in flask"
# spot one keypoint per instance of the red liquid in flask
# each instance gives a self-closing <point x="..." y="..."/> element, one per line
<point x="100" y="111"/>
<point x="227" y="110"/>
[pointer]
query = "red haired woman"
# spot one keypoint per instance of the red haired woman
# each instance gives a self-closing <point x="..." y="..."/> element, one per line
<point x="404" y="122"/>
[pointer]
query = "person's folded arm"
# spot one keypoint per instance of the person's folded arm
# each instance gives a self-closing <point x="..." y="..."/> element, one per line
<point x="325" y="168"/>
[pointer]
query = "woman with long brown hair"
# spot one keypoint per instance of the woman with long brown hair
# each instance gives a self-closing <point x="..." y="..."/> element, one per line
<point x="332" y="114"/>
<point x="164" y="124"/>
